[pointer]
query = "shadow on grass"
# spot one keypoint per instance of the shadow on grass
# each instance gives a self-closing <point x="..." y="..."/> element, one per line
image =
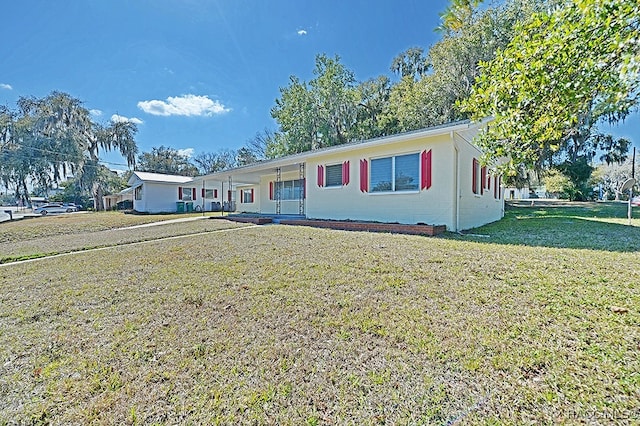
<point x="593" y="226"/>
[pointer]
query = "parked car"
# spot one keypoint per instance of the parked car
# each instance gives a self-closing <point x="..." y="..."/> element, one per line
<point x="71" y="206"/>
<point x="52" y="208"/>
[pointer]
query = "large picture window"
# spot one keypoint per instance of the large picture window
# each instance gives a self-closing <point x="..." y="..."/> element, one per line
<point x="399" y="173"/>
<point x="291" y="189"/>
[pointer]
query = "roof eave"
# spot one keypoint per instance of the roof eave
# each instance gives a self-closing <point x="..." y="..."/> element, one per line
<point x="304" y="156"/>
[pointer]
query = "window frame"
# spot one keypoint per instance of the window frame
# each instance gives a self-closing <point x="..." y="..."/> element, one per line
<point x="279" y="189"/>
<point x="137" y="193"/>
<point x="187" y="193"/>
<point x="340" y="182"/>
<point x="247" y="196"/>
<point x="394" y="174"/>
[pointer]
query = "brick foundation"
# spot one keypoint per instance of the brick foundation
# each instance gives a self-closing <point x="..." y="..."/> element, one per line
<point x="254" y="220"/>
<point x="396" y="228"/>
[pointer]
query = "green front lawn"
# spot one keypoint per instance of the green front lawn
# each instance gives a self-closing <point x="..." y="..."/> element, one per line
<point x="294" y="325"/>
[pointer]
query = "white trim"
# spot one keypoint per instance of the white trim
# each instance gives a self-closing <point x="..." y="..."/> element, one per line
<point x="348" y="147"/>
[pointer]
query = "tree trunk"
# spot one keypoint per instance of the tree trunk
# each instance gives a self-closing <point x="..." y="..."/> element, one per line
<point x="98" y="202"/>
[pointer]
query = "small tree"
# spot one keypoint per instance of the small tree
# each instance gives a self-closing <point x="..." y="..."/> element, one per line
<point x="559" y="184"/>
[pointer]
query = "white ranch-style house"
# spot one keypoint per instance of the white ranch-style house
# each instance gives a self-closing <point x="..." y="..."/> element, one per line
<point x="431" y="176"/>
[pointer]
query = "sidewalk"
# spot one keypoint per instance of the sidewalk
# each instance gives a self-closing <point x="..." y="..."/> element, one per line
<point x="15" y="214"/>
<point x="165" y="222"/>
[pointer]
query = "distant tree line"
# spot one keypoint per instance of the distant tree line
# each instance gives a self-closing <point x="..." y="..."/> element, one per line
<point x="45" y="140"/>
<point x="547" y="71"/>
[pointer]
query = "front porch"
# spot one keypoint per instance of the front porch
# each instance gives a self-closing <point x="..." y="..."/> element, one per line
<point x="262" y="218"/>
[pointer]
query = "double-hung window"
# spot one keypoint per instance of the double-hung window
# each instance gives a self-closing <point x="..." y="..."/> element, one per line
<point x="138" y="192"/>
<point x="334" y="175"/>
<point x="397" y="173"/>
<point x="186" y="193"/>
<point x="247" y="195"/>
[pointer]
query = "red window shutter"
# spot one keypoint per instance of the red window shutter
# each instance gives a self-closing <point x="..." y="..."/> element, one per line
<point x="320" y="176"/>
<point x="495" y="187"/>
<point x="499" y="185"/>
<point x="215" y="193"/>
<point x="348" y="170"/>
<point x="202" y="193"/>
<point x="193" y="193"/>
<point x="240" y="196"/>
<point x="179" y="193"/>
<point x="426" y="169"/>
<point x="483" y="179"/>
<point x="252" y="196"/>
<point x="489" y="182"/>
<point x="474" y="176"/>
<point x="364" y="176"/>
<point x="229" y="196"/>
<point x="271" y="190"/>
<point x="429" y="169"/>
<point x="345" y="173"/>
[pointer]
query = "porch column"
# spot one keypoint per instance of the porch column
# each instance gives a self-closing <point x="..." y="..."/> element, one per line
<point x="278" y="190"/>
<point x="230" y="194"/>
<point x="303" y="188"/>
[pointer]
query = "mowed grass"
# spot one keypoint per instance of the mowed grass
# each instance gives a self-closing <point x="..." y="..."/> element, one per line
<point x="46" y="236"/>
<point x="66" y="224"/>
<point x="293" y="325"/>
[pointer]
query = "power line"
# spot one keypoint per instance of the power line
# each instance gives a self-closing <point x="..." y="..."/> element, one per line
<point x="47" y="151"/>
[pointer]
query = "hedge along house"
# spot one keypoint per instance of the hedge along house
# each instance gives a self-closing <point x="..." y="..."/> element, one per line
<point x="431" y="176"/>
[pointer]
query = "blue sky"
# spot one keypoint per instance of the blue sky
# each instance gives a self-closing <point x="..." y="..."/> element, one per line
<point x="201" y="75"/>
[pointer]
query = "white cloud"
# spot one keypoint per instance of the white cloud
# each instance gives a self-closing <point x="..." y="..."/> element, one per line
<point x="5" y="86"/>
<point x="121" y="119"/>
<point x="187" y="152"/>
<point x="187" y="105"/>
<point x="302" y="32"/>
<point x="95" y="112"/>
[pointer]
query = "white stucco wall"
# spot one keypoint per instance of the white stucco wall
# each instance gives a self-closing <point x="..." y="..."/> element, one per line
<point x="253" y="207"/>
<point x="162" y="198"/>
<point x="448" y="201"/>
<point x="432" y="206"/>
<point x="475" y="209"/>
<point x="157" y="198"/>
<point x="268" y="206"/>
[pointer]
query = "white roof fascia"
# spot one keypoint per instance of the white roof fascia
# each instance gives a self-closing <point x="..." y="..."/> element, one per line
<point x="160" y="178"/>
<point x="351" y="146"/>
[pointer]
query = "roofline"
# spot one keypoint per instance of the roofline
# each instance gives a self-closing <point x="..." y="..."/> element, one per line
<point x="135" y="173"/>
<point x="350" y="146"/>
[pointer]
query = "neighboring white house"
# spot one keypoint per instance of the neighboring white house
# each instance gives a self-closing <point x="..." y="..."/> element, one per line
<point x="158" y="193"/>
<point x="111" y="201"/>
<point x="430" y="176"/>
<point x="513" y="193"/>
